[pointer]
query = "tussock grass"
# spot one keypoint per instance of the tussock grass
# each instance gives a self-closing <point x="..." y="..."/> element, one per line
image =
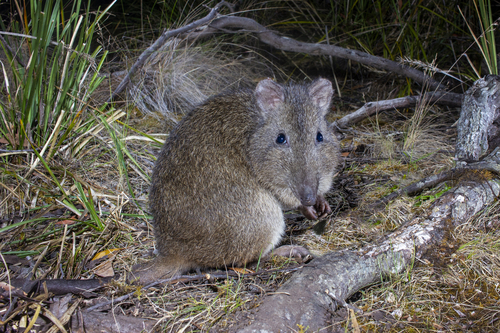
<point x="52" y="74"/>
<point x="182" y="75"/>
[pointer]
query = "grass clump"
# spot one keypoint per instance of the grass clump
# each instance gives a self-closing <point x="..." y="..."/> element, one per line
<point x="182" y="75"/>
<point x="54" y="72"/>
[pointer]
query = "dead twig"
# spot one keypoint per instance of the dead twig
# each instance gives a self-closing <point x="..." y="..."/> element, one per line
<point x="60" y="286"/>
<point x="488" y="164"/>
<point x="421" y="185"/>
<point x="190" y="278"/>
<point x="14" y="54"/>
<point x="367" y="110"/>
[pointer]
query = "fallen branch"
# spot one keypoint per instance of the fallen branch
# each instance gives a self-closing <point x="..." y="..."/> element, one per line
<point x="421" y="185"/>
<point x="432" y="181"/>
<point x="328" y="281"/>
<point x="367" y="110"/>
<point x="60" y="286"/>
<point x="227" y="24"/>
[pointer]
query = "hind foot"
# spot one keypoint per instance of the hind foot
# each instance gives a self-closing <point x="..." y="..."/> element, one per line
<point x="151" y="271"/>
<point x="299" y="253"/>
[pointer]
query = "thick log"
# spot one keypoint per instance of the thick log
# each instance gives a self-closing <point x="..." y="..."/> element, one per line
<point x="477" y="126"/>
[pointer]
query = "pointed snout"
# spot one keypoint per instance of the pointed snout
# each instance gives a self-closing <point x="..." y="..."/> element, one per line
<point x="307" y="196"/>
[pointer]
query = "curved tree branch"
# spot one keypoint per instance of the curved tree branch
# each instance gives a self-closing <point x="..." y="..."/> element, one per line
<point x="235" y="24"/>
<point x="227" y="24"/>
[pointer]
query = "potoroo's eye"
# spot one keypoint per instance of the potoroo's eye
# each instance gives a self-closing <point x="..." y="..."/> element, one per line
<point x="281" y="139"/>
<point x="319" y="137"/>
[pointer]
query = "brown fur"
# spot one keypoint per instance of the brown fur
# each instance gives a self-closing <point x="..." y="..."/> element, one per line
<point x="221" y="180"/>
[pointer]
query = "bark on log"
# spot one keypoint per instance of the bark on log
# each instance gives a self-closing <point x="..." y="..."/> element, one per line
<point x="478" y="127"/>
<point x="305" y="298"/>
<point x="109" y="323"/>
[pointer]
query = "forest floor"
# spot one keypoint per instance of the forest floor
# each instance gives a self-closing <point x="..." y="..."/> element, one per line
<point x="73" y="226"/>
<point x="455" y="289"/>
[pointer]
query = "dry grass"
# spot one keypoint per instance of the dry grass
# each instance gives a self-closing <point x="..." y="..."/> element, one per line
<point x="182" y="75"/>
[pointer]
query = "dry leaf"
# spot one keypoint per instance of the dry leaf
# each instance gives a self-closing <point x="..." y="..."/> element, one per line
<point x="105" y="269"/>
<point x="105" y="253"/>
<point x="69" y="221"/>
<point x="354" y="322"/>
<point x="242" y="270"/>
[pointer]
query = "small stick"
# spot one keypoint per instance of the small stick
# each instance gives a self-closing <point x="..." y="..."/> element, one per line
<point x="14" y="54"/>
<point x="186" y="278"/>
<point x="489" y="163"/>
<point x="448" y="98"/>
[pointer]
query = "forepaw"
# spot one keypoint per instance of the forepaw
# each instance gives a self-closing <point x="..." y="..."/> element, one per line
<point x="299" y="253"/>
<point x="320" y="209"/>
<point x="322" y="206"/>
